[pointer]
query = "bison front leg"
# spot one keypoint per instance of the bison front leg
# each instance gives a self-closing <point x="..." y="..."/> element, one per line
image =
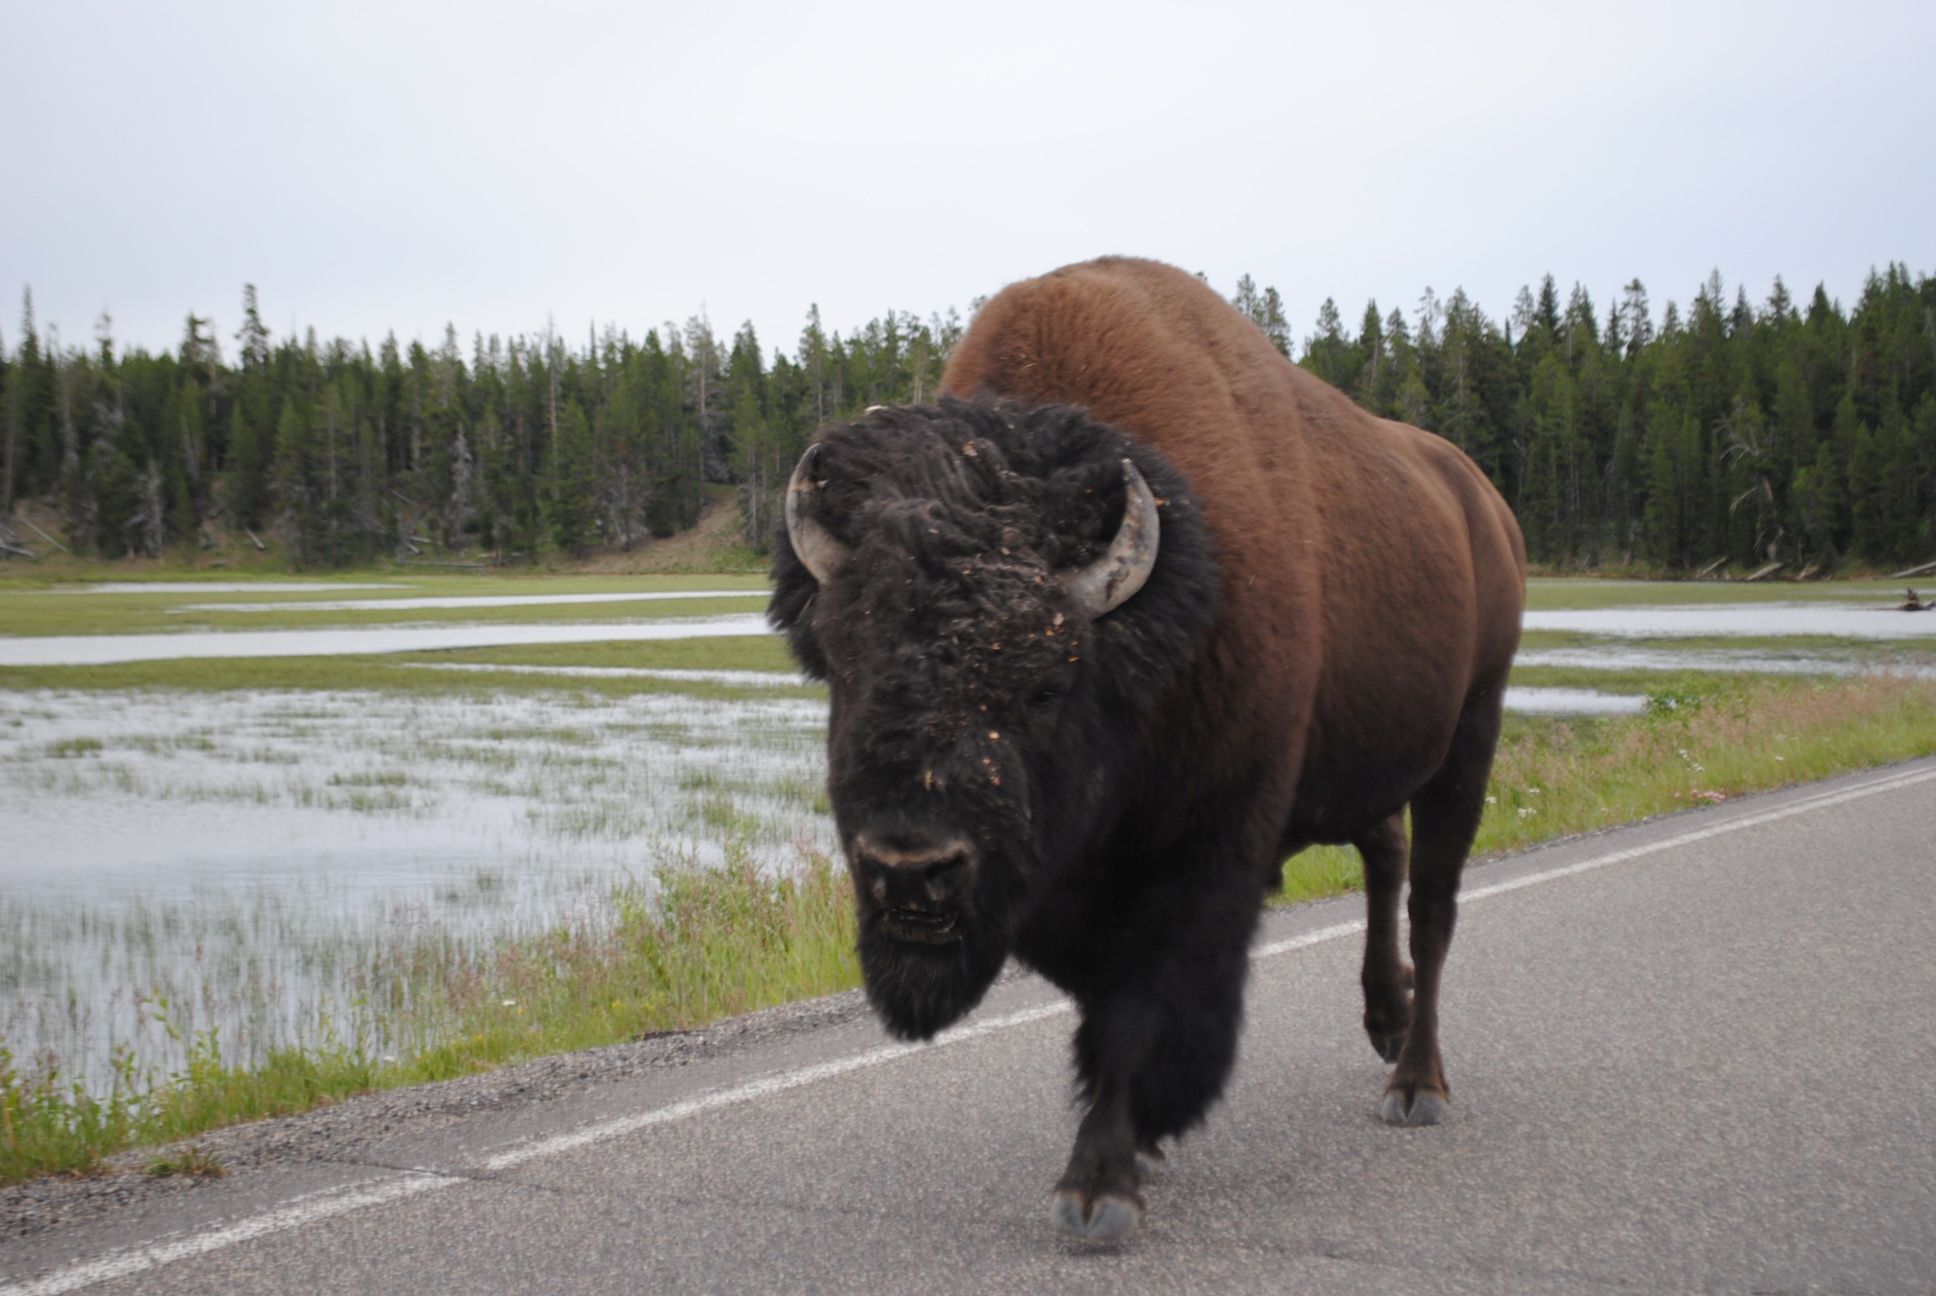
<point x="1100" y="1195"/>
<point x="1155" y="1046"/>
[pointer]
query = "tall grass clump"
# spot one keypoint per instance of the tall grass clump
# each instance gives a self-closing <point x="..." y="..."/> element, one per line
<point x="1690" y="750"/>
<point x="704" y="945"/>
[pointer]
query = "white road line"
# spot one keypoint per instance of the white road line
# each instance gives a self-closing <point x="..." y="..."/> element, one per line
<point x="295" y="1214"/>
<point x="325" y="1205"/>
<point x="761" y="1088"/>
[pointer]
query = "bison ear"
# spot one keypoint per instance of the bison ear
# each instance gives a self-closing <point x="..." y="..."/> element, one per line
<point x="819" y="552"/>
<point x="1112" y="580"/>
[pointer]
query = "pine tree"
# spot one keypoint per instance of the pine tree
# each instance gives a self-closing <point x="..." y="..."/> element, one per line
<point x="1638" y="320"/>
<point x="1326" y="353"/>
<point x="1376" y="380"/>
<point x="573" y="483"/>
<point x="814" y="360"/>
<point x="296" y="484"/>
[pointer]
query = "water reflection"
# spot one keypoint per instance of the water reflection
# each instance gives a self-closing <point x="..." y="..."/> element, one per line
<point x="1743" y="620"/>
<point x="1572" y="701"/>
<point x="98" y="650"/>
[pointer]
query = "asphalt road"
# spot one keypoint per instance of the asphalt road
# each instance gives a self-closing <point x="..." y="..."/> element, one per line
<point x="1695" y="1055"/>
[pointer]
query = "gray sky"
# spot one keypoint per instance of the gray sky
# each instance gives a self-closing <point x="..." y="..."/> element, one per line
<point x="378" y="166"/>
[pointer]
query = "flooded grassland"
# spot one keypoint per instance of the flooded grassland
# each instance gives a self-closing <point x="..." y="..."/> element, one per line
<point x="277" y="820"/>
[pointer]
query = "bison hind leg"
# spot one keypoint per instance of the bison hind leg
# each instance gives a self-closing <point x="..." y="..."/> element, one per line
<point x="1445" y="819"/>
<point x="1387" y="980"/>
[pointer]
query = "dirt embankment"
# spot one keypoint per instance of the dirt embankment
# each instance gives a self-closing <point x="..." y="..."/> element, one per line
<point x="36" y="545"/>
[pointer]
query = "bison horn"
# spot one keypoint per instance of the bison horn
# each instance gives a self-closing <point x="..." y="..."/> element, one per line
<point x="819" y="552"/>
<point x="1112" y="580"/>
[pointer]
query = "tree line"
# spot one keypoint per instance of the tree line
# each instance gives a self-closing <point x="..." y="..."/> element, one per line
<point x="1736" y="432"/>
<point x="1755" y="434"/>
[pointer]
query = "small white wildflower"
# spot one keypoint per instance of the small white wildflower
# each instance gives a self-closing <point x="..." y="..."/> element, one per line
<point x="1493" y="800"/>
<point x="510" y="1003"/>
<point x="1526" y="812"/>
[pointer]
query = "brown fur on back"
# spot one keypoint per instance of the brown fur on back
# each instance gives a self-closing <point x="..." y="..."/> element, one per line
<point x="1371" y="577"/>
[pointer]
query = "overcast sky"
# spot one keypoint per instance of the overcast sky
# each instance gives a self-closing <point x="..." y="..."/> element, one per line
<point x="395" y="166"/>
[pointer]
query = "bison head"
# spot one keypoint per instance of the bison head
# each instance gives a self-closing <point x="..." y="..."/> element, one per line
<point x="997" y="596"/>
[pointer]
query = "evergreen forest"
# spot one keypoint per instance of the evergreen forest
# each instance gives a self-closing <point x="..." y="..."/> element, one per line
<point x="1751" y="433"/>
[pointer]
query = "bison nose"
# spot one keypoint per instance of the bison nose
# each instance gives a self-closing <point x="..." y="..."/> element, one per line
<point x="915" y="876"/>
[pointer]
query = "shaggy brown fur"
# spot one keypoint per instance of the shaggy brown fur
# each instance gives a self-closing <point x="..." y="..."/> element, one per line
<point x="1372" y="578"/>
<point x="1323" y="642"/>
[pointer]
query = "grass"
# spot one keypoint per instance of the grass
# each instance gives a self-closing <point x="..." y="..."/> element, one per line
<point x="68" y="748"/>
<point x="1554" y="593"/>
<point x="1697" y="745"/>
<point x="193" y="1161"/>
<point x="42" y="611"/>
<point x="397" y="672"/>
<point x="708" y="944"/>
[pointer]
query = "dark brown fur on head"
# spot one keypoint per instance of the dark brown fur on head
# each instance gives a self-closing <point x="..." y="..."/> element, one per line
<point x="971" y="698"/>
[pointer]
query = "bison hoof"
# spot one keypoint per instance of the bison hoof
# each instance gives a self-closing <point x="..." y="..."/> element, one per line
<point x="1424" y="1108"/>
<point x="1108" y="1218"/>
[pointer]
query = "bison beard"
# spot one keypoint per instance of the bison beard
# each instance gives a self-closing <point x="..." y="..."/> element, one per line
<point x="1106" y="643"/>
<point x="919" y="990"/>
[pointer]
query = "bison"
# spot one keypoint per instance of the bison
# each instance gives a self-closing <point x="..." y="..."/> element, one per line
<point x="1136" y="612"/>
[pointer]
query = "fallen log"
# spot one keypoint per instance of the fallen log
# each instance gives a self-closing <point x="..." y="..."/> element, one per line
<point x="255" y="540"/>
<point x="44" y="536"/>
<point x="1923" y="570"/>
<point x="1712" y="567"/>
<point x="1760" y="573"/>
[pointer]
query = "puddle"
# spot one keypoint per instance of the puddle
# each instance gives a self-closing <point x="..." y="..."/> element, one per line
<point x="1572" y="701"/>
<point x="467" y="601"/>
<point x="744" y="679"/>
<point x="1759" y="619"/>
<point x="217" y="587"/>
<point x="260" y="861"/>
<point x="97" y="650"/>
<point x="1613" y="658"/>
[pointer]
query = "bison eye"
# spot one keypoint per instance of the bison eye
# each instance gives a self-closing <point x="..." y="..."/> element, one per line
<point x="1046" y="695"/>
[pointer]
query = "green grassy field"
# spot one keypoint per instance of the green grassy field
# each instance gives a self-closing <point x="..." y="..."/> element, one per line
<point x="416" y="673"/>
<point x="56" y="611"/>
<point x="1556" y="593"/>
